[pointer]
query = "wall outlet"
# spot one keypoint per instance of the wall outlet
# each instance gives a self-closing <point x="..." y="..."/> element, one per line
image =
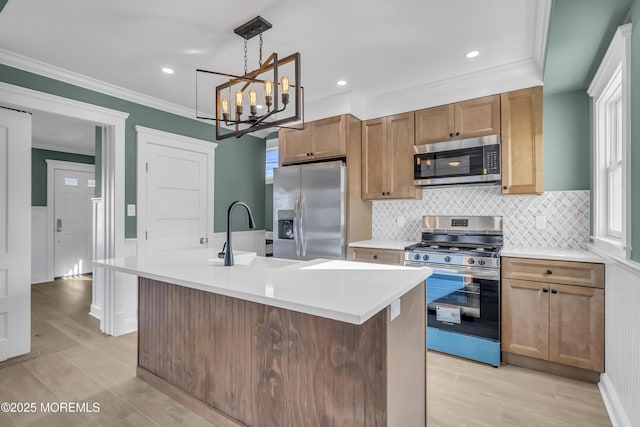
<point x="131" y="210"/>
<point x="400" y="221"/>
<point x="541" y="222"/>
<point x="395" y="309"/>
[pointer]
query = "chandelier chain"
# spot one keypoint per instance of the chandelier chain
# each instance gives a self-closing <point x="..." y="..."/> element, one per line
<point x="245" y="56"/>
<point x="260" y="61"/>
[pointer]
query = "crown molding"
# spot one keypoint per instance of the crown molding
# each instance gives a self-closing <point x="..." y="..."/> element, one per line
<point x="541" y="34"/>
<point x="24" y="63"/>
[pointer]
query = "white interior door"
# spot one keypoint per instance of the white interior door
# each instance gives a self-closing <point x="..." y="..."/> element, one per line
<point x="73" y="190"/>
<point x="177" y="192"/>
<point x="15" y="233"/>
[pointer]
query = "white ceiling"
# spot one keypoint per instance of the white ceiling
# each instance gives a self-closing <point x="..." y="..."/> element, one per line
<point x="384" y="49"/>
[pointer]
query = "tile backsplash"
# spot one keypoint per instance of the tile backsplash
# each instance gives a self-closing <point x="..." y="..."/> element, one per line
<point x="566" y="213"/>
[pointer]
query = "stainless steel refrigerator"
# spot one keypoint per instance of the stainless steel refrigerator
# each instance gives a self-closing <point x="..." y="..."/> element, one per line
<point x="309" y="211"/>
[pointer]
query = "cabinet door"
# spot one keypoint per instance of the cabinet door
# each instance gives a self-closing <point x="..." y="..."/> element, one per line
<point x="400" y="141"/>
<point x="525" y="318"/>
<point x="522" y="154"/>
<point x="374" y="154"/>
<point x="328" y="138"/>
<point x="576" y="326"/>
<point x="378" y="256"/>
<point x="434" y="124"/>
<point x="294" y="145"/>
<point x="477" y="117"/>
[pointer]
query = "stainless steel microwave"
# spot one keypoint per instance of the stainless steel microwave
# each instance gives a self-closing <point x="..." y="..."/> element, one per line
<point x="464" y="161"/>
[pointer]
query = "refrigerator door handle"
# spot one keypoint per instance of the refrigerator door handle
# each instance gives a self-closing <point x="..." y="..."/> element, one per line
<point x="296" y="226"/>
<point x="302" y="229"/>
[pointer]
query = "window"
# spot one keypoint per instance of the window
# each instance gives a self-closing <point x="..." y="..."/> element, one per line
<point x="610" y="90"/>
<point x="272" y="157"/>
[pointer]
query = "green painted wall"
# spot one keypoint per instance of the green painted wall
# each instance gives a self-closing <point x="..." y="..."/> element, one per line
<point x="239" y="167"/>
<point x="268" y="207"/>
<point x="635" y="131"/>
<point x="2" y="4"/>
<point x="98" y="192"/>
<point x="567" y="141"/>
<point x="39" y="171"/>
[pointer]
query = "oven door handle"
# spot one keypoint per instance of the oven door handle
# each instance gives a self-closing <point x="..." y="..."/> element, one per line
<point x="477" y="273"/>
<point x="467" y="272"/>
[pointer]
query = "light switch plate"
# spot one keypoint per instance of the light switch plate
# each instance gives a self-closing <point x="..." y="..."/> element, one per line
<point x="395" y="309"/>
<point x="541" y="222"/>
<point x="131" y="210"/>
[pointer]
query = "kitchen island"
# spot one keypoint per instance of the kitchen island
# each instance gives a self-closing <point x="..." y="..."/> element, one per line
<point x="272" y="342"/>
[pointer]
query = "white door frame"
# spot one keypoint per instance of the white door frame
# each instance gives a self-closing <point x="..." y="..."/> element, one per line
<point x="52" y="167"/>
<point x="145" y="136"/>
<point x="113" y="169"/>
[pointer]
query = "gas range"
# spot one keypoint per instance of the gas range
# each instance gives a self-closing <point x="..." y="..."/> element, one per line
<point x="458" y="241"/>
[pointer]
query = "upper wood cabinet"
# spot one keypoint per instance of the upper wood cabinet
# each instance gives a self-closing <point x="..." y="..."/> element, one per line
<point x="545" y="318"/>
<point x="319" y="140"/>
<point x="387" y="158"/>
<point x="468" y="119"/>
<point x="522" y="149"/>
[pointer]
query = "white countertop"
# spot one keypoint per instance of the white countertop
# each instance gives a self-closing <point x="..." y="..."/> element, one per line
<point x="396" y="245"/>
<point x="347" y="291"/>
<point x="557" y="254"/>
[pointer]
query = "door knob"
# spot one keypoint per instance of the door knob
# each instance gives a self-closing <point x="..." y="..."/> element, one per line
<point x="554" y="291"/>
<point x="59" y="225"/>
<point x="549" y="272"/>
<point x="545" y="290"/>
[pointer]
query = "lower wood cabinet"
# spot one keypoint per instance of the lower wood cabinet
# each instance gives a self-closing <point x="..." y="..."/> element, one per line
<point x="545" y="318"/>
<point x="378" y="256"/>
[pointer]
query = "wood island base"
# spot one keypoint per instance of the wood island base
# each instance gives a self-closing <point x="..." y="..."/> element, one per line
<point x="237" y="362"/>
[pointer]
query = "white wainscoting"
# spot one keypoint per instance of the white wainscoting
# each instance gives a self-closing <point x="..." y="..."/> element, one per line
<point x="620" y="384"/>
<point x="39" y="244"/>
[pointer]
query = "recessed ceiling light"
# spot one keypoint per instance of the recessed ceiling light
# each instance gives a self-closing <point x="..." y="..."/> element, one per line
<point x="341" y="82"/>
<point x="473" y="54"/>
<point x="167" y="70"/>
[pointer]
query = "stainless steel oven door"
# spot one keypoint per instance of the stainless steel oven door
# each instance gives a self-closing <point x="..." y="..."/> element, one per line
<point x="464" y="300"/>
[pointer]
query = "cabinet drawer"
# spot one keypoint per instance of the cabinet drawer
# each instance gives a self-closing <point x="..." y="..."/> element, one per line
<point x="379" y="256"/>
<point x="564" y="272"/>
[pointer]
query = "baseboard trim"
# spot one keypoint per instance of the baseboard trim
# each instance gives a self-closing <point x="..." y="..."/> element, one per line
<point x="615" y="409"/>
<point x="197" y="406"/>
<point x="551" y="367"/>
<point x="96" y="311"/>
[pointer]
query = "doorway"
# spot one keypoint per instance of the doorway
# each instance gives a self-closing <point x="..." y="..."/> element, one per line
<point x="112" y="235"/>
<point x="70" y="218"/>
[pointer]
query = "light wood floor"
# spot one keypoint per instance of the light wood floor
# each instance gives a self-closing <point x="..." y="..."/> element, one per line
<point x="72" y="361"/>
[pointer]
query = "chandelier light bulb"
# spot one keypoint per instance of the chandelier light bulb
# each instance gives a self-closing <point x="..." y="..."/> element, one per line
<point x="225" y="106"/>
<point x="253" y="99"/>
<point x="268" y="88"/>
<point x="284" y="82"/>
<point x="239" y="102"/>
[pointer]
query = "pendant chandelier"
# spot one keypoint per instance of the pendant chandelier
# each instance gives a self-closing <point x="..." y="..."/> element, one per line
<point x="272" y="92"/>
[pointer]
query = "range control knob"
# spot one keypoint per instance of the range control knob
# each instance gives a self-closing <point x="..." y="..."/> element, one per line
<point x="481" y="262"/>
<point x="471" y="261"/>
<point x="416" y="257"/>
<point x="425" y="257"/>
<point x="447" y="259"/>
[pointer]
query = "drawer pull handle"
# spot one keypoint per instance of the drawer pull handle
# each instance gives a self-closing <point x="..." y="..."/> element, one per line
<point x="549" y="272"/>
<point x="545" y="290"/>
<point x="554" y="291"/>
<point x="375" y="257"/>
